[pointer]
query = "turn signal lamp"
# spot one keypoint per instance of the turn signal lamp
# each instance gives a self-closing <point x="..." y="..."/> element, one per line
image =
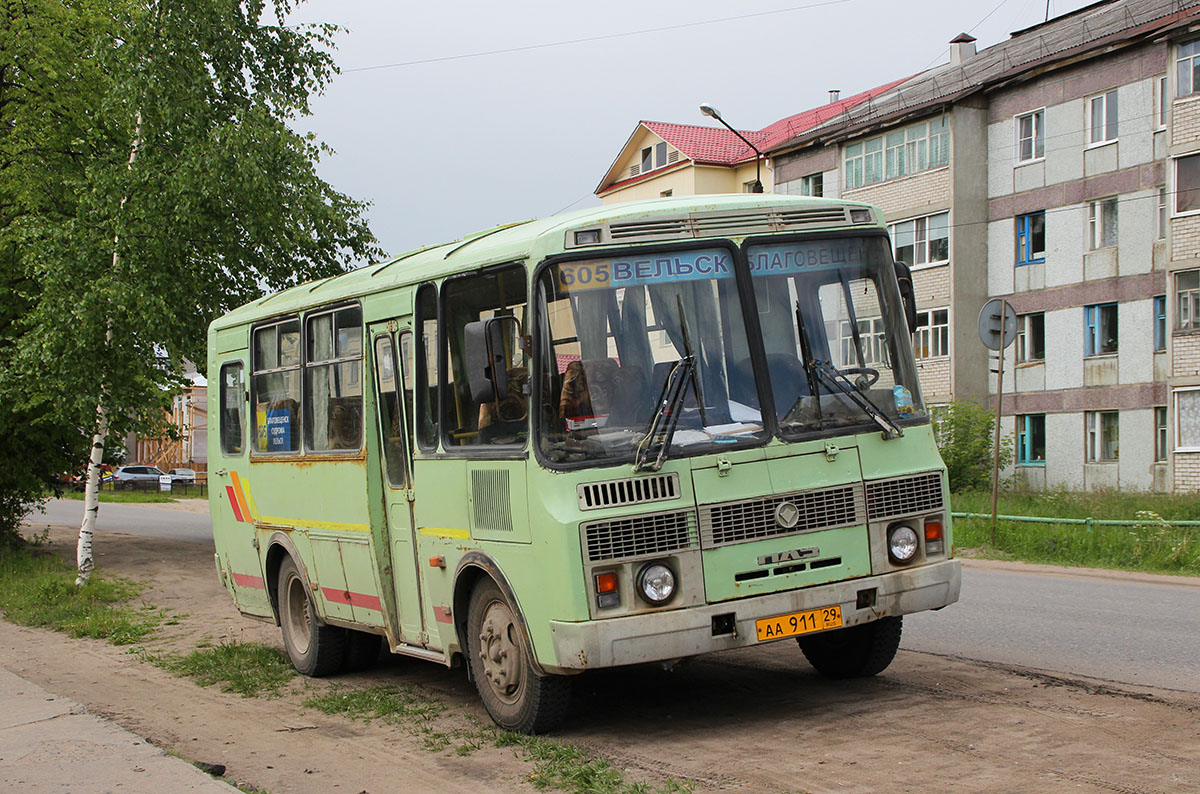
<point x="607" y="594"/>
<point x="934" y="542"/>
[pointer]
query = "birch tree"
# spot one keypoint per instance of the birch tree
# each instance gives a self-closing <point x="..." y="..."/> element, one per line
<point x="194" y="194"/>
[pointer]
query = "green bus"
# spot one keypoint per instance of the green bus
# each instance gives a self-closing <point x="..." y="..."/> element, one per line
<point x="633" y="433"/>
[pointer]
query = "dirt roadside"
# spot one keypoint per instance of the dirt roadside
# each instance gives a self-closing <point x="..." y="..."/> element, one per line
<point x="754" y="720"/>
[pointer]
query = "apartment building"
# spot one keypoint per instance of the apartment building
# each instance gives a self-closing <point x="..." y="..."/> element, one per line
<point x="1054" y="169"/>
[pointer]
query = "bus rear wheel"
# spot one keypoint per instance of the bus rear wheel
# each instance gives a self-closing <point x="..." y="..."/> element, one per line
<point x="514" y="694"/>
<point x="854" y="652"/>
<point x="315" y="648"/>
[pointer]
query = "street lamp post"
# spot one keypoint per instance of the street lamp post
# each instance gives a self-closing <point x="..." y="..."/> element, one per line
<point x="709" y="110"/>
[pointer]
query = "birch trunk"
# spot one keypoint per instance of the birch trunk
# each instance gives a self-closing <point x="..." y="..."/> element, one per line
<point x="84" y="561"/>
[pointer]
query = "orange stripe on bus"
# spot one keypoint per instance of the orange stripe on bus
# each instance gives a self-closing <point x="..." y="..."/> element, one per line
<point x="246" y="580"/>
<point x="353" y="599"/>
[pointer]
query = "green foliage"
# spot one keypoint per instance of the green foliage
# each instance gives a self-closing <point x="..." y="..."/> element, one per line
<point x="557" y="765"/>
<point x="1150" y="544"/>
<point x="37" y="589"/>
<point x="151" y="178"/>
<point x="248" y="668"/>
<point x="965" y="431"/>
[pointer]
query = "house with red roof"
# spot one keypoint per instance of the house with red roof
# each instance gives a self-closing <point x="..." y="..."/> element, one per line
<point x="665" y="159"/>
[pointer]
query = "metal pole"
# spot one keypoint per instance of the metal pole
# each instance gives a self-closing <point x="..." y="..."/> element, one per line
<point x="999" y="407"/>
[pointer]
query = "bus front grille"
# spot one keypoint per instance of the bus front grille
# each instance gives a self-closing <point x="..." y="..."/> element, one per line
<point x="635" y="536"/>
<point x="754" y="519"/>
<point x="628" y="491"/>
<point x="903" y="495"/>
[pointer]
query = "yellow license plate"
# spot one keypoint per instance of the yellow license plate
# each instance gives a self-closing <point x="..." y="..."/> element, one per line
<point x="797" y="623"/>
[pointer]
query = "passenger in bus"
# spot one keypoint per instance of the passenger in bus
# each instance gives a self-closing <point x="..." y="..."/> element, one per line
<point x="502" y="421"/>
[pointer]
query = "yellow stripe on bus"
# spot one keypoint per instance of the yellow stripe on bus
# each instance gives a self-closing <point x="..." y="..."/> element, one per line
<point x="237" y="490"/>
<point x="276" y="521"/>
<point x="438" y="532"/>
<point x="250" y="500"/>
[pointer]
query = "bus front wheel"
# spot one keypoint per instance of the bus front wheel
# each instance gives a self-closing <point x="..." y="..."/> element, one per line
<point x="854" y="652"/>
<point x="514" y="694"/>
<point x="315" y="648"/>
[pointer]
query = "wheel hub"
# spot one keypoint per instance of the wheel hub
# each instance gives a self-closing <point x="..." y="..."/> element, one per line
<point x="500" y="653"/>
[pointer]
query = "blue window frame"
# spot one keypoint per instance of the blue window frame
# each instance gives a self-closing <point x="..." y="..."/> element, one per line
<point x="1031" y="440"/>
<point x="1099" y="329"/>
<point x="1160" y="323"/>
<point x="1031" y="238"/>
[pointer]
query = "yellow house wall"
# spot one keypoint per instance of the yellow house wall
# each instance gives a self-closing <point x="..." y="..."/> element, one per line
<point x="679" y="181"/>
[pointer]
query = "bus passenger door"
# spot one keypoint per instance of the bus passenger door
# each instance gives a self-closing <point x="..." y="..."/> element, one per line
<point x="397" y="475"/>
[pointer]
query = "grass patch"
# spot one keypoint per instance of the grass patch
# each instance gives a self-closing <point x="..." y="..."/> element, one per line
<point x="247" y="668"/>
<point x="128" y="497"/>
<point x="37" y="588"/>
<point x="1151" y="545"/>
<point x="398" y="705"/>
<point x="567" y="768"/>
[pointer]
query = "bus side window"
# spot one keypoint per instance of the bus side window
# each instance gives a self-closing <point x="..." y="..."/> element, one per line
<point x="233" y="428"/>
<point x="495" y="295"/>
<point x="426" y="371"/>
<point x="333" y="402"/>
<point x="276" y="387"/>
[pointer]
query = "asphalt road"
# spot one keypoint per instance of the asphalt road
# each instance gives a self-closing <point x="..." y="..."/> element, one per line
<point x="1132" y="632"/>
<point x="137" y="519"/>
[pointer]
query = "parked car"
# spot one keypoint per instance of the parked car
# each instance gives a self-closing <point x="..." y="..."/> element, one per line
<point x="137" y="477"/>
<point x="185" y="476"/>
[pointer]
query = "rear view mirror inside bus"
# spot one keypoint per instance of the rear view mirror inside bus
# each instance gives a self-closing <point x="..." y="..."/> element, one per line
<point x="487" y="368"/>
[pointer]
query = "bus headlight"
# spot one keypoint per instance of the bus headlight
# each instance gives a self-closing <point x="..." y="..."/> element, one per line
<point x="656" y="583"/>
<point x="902" y="544"/>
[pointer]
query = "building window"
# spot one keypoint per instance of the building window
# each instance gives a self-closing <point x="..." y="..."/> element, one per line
<point x="1031" y="440"/>
<point x="1161" y="220"/>
<point x="1102" y="435"/>
<point x="1031" y="136"/>
<point x="812" y="185"/>
<point x="1160" y="323"/>
<point x="1102" y="118"/>
<point x="873" y="339"/>
<point x="647" y="159"/>
<point x="911" y="150"/>
<point x="1160" y="434"/>
<point x="1187" y="184"/>
<point x="1187" y="64"/>
<point x="1102" y="223"/>
<point x="1187" y="420"/>
<point x="666" y="194"/>
<point x="1031" y="337"/>
<point x="922" y="241"/>
<point x="1031" y="238"/>
<point x="660" y="155"/>
<point x="1100" y="329"/>
<point x="1161" y="104"/>
<point x="932" y="337"/>
<point x="1187" y="300"/>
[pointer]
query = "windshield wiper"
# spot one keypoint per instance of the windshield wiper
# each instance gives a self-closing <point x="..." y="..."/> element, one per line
<point x="662" y="425"/>
<point x="847" y="387"/>
<point x="810" y="373"/>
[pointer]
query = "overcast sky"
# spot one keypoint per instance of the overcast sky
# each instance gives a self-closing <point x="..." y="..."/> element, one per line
<point x="459" y="144"/>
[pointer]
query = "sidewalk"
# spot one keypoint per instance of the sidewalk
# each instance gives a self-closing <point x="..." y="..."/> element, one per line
<point x="51" y="744"/>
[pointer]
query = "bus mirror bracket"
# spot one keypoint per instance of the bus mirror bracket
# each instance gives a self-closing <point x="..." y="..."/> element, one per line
<point x="487" y="368"/>
<point x="907" y="294"/>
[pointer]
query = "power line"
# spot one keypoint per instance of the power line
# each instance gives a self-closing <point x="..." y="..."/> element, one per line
<point x="604" y="37"/>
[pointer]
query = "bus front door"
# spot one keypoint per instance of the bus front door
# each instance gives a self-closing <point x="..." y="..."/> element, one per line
<point x="391" y="383"/>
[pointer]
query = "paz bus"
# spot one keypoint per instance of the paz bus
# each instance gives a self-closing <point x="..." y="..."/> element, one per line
<point x="633" y="433"/>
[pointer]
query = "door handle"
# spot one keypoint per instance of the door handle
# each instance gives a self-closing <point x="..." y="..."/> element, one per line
<point x="221" y="472"/>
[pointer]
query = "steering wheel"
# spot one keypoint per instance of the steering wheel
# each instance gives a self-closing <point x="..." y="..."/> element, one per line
<point x="866" y="376"/>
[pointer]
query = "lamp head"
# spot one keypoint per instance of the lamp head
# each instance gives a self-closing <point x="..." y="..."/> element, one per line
<point x="709" y="110"/>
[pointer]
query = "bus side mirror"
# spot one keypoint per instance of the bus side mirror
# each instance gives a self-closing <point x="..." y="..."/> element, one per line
<point x="487" y="364"/>
<point x="907" y="294"/>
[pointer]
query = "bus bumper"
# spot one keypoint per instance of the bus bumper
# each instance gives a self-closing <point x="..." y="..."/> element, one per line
<point x="680" y="633"/>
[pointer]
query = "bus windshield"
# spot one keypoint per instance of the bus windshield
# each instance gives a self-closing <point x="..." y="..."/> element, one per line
<point x="614" y="329"/>
<point x="834" y="333"/>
